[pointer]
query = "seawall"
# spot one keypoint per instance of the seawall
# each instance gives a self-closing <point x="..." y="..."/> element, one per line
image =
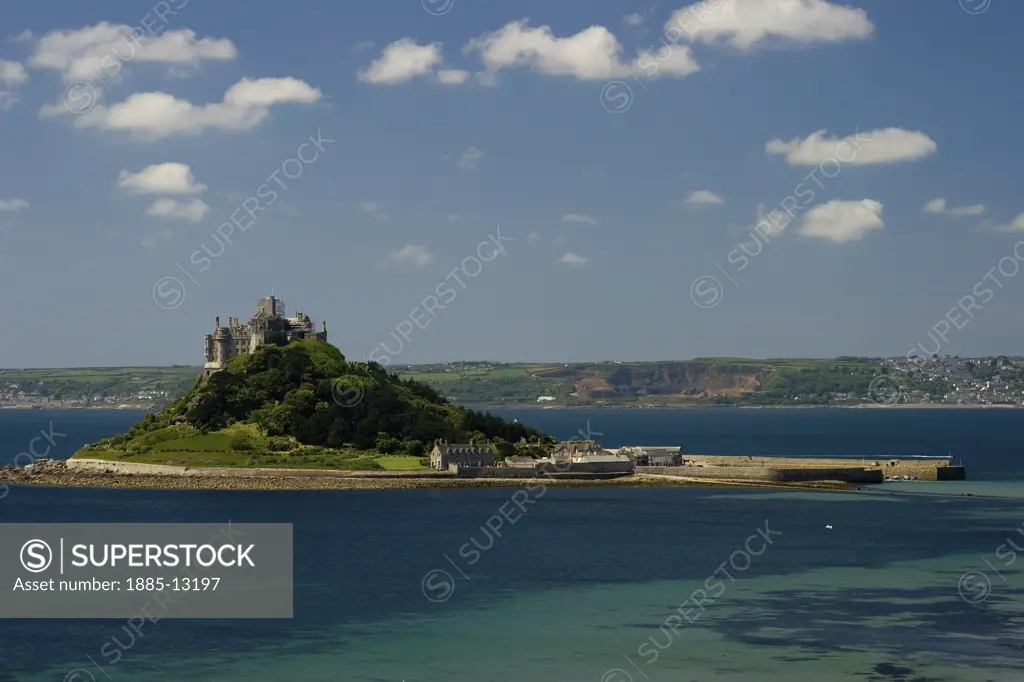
<point x="768" y="474"/>
<point x="136" y="468"/>
<point x="921" y="469"/>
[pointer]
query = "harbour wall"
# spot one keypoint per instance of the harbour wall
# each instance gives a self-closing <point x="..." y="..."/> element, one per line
<point x="768" y="474"/>
<point x="921" y="469"/>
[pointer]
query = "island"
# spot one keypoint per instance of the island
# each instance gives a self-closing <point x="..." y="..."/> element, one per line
<point x="296" y="415"/>
<point x="278" y="407"/>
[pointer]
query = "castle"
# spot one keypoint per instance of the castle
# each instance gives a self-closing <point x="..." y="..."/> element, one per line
<point x="268" y="325"/>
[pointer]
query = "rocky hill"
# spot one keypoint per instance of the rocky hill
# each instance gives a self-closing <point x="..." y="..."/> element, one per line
<point x="303" y="404"/>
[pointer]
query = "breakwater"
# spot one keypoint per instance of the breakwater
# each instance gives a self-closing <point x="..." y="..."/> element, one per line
<point x="767" y="474"/>
<point x="920" y="469"/>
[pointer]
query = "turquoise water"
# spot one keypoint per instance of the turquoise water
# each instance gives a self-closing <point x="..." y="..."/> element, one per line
<point x="609" y="585"/>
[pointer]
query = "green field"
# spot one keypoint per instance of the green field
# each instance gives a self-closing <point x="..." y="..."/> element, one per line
<point x="400" y="463"/>
<point x="100" y="382"/>
<point x="183" y="446"/>
<point x="701" y="381"/>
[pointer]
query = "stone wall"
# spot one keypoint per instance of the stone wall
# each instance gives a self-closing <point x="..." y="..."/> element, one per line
<point x="921" y="469"/>
<point x="576" y="471"/>
<point x="924" y="472"/>
<point x="950" y="474"/>
<point x="767" y="474"/>
<point x="135" y="468"/>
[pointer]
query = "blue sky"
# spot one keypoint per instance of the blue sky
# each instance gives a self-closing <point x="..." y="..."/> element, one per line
<point x="450" y="119"/>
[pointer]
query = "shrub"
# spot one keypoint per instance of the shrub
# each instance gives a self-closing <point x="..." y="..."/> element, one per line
<point x="240" y="442"/>
<point x="387" y="445"/>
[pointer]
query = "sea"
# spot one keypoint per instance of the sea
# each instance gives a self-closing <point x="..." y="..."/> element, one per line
<point x="906" y="582"/>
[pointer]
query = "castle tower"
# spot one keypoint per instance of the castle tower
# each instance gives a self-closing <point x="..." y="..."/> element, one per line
<point x="268" y="325"/>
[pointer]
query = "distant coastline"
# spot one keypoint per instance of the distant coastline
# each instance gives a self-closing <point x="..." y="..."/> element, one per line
<point x="622" y="406"/>
<point x="634" y="406"/>
<point x="846" y="382"/>
<point x="109" y="408"/>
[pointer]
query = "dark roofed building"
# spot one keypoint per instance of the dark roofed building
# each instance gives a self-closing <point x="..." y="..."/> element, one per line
<point x="574" y="448"/>
<point x="464" y="454"/>
<point x="656" y="456"/>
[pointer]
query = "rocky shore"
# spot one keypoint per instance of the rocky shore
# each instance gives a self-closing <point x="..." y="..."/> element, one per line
<point x="95" y="475"/>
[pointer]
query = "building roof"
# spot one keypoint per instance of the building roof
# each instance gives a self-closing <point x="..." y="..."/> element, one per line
<point x="520" y="459"/>
<point x="463" y="449"/>
<point x="603" y="459"/>
<point x="578" y="445"/>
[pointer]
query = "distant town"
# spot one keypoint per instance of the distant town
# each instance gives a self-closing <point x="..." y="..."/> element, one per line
<point x="839" y="382"/>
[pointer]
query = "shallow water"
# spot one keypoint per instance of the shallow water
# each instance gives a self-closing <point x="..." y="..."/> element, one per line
<point x="588" y="584"/>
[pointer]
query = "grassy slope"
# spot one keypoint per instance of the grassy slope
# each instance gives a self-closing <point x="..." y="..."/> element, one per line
<point x="283" y="406"/>
<point x="183" y="446"/>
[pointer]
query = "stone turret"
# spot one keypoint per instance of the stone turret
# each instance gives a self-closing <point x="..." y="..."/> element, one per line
<point x="269" y="325"/>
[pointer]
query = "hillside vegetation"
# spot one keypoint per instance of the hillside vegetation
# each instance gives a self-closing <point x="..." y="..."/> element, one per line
<point x="304" y="405"/>
<point x="702" y="381"/>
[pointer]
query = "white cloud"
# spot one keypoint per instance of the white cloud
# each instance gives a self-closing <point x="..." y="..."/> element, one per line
<point x="532" y="238"/>
<point x="161" y="178"/>
<point x="744" y="24"/>
<point x="374" y="210"/>
<point x="13" y="204"/>
<point x="363" y="46"/>
<point x="938" y="205"/>
<point x="403" y="60"/>
<point x="156" y="115"/>
<point x="573" y="260"/>
<point x="470" y="158"/>
<point x="634" y="19"/>
<point x="704" y="197"/>
<point x="12" y="73"/>
<point x="843" y="221"/>
<point x="890" y="145"/>
<point x="193" y="210"/>
<point x="577" y="218"/>
<point x="1016" y="225"/>
<point x="592" y="54"/>
<point x="452" y="76"/>
<point x="8" y="99"/>
<point x="410" y="255"/>
<point x="460" y="218"/>
<point x="97" y="52"/>
<point x="149" y="243"/>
